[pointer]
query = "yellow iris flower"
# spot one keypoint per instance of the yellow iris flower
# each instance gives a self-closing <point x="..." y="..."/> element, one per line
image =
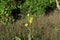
<point x="26" y="24"/>
<point x="31" y="20"/>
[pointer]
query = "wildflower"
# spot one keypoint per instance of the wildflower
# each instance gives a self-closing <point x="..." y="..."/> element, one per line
<point x="26" y="24"/>
<point x="31" y="20"/>
<point x="28" y="14"/>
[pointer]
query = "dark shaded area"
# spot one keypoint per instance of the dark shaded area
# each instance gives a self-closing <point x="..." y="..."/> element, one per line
<point x="15" y="13"/>
<point x="50" y="8"/>
<point x="21" y="1"/>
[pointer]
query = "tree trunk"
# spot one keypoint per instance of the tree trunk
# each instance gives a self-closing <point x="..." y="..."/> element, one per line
<point x="57" y="4"/>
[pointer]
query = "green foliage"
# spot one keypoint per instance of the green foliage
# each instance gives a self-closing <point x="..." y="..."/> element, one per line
<point x="17" y="38"/>
<point x="5" y="10"/>
<point x="29" y="36"/>
<point x="36" y="6"/>
<point x="6" y="7"/>
<point x="30" y="6"/>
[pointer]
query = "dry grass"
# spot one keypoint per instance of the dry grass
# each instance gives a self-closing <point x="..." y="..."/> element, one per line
<point x="42" y="28"/>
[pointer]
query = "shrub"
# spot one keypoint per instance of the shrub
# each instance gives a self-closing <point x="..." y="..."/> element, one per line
<point x="6" y="7"/>
<point x="37" y="6"/>
<point x="29" y="6"/>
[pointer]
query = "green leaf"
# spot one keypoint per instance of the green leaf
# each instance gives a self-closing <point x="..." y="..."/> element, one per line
<point x="17" y="38"/>
<point x="29" y="36"/>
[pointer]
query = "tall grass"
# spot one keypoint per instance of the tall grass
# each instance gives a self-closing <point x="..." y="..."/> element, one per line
<point x="42" y="28"/>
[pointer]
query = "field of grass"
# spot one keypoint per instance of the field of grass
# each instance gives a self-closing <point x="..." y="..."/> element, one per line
<point x="42" y="28"/>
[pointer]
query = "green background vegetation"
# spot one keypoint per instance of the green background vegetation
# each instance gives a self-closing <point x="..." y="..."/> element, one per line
<point x="42" y="28"/>
<point x="29" y="6"/>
